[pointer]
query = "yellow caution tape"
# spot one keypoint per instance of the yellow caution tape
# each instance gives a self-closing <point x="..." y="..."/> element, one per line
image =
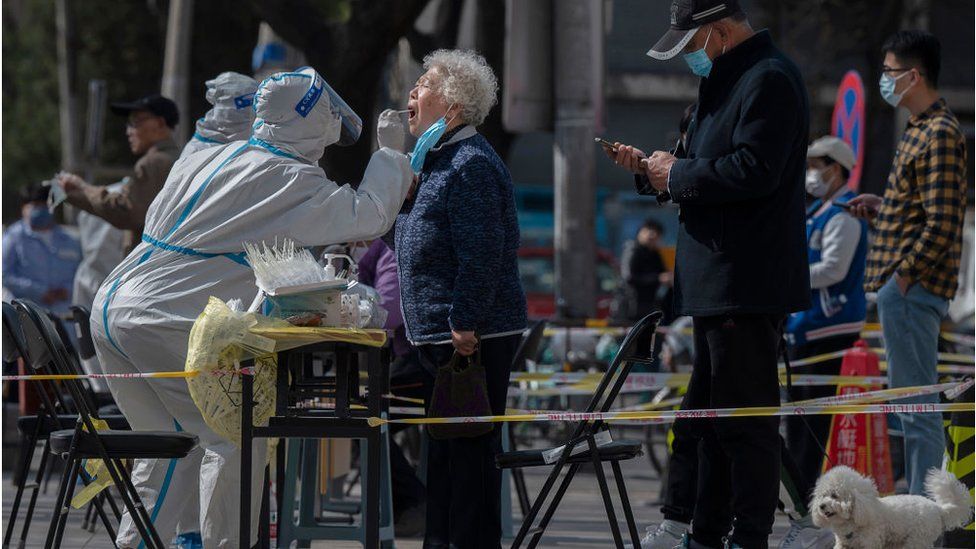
<point x="64" y="377"/>
<point x="951" y="389"/>
<point x="97" y="471"/>
<point x="667" y="416"/>
<point x="657" y="380"/>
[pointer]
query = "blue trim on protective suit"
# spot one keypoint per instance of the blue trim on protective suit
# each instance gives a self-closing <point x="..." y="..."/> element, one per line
<point x="271" y="148"/>
<point x="238" y="257"/>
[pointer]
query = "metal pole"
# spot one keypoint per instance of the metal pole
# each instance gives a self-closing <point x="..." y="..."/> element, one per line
<point x="577" y="61"/>
<point x="67" y="94"/>
<point x="176" y="63"/>
<point x="95" y="128"/>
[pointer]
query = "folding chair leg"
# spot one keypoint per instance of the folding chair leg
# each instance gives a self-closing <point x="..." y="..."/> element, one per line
<point x="134" y="504"/>
<point x="518" y="477"/>
<point x="66" y="505"/>
<point x="42" y="467"/>
<point x="601" y="479"/>
<point x="56" y="510"/>
<point x="27" y="445"/>
<point x="49" y="474"/>
<point x="625" y="501"/>
<point x="553" y="505"/>
<point x="100" y="511"/>
<point x="88" y="523"/>
<point x="529" y="518"/>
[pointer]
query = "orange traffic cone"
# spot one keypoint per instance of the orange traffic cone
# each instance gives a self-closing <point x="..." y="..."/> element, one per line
<point x="861" y="441"/>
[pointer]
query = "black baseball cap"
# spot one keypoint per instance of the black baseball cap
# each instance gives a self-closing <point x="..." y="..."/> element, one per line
<point x="687" y="16"/>
<point x="154" y="103"/>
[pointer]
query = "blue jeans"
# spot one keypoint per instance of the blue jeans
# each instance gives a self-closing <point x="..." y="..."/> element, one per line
<point x="910" y="324"/>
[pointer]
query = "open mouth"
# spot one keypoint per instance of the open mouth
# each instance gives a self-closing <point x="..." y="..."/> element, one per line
<point x="411" y="113"/>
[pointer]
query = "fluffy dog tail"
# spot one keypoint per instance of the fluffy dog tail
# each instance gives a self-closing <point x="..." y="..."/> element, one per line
<point x="951" y="495"/>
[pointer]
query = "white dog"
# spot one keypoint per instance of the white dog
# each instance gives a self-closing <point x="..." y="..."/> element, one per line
<point x="847" y="503"/>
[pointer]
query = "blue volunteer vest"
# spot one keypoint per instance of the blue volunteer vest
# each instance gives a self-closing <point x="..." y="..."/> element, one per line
<point x="838" y="309"/>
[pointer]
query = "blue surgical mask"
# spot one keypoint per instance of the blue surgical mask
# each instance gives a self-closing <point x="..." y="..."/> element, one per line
<point x="698" y="61"/>
<point x="40" y="218"/>
<point x="426" y="142"/>
<point x="887" y="87"/>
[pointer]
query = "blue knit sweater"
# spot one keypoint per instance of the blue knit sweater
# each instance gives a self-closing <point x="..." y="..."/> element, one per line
<point x="457" y="246"/>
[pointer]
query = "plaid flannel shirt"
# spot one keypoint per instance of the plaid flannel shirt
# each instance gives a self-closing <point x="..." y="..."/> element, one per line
<point x="918" y="232"/>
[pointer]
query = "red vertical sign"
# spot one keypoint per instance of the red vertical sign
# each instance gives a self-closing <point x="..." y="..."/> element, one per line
<point x="847" y="121"/>
<point x="861" y="441"/>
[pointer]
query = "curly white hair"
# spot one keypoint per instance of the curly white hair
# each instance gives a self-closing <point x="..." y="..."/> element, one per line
<point x="465" y="78"/>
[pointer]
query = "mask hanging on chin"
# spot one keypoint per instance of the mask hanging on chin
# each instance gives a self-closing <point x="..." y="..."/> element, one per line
<point x="815" y="184"/>
<point x="426" y="142"/>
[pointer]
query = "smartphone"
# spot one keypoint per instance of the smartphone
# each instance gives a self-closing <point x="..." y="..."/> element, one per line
<point x="606" y="144"/>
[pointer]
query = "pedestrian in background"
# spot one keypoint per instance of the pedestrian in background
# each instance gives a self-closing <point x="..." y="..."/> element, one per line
<point x="39" y="257"/>
<point x="836" y="249"/>
<point x="913" y="262"/>
<point x="149" y="130"/>
<point x="644" y="270"/>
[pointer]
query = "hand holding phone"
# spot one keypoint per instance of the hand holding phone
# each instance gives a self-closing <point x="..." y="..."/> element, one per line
<point x="607" y="146"/>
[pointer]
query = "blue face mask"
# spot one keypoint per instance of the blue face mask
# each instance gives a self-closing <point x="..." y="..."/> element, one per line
<point x="698" y="61"/>
<point x="887" y="87"/>
<point x="426" y="142"/>
<point x="39" y="218"/>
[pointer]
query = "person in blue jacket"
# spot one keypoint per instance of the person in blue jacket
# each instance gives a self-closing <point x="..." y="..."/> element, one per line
<point x="457" y="250"/>
<point x="39" y="257"/>
<point x="837" y="249"/>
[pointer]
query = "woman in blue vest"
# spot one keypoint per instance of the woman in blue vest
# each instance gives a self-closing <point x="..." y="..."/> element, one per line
<point x="837" y="247"/>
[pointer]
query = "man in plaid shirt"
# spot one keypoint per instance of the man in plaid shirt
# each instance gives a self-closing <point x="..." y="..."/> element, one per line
<point x="913" y="263"/>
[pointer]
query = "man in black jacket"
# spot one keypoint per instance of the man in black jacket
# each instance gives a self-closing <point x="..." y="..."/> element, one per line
<point x="741" y="263"/>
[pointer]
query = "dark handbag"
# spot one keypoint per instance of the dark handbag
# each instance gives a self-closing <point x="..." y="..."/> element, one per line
<point x="460" y="390"/>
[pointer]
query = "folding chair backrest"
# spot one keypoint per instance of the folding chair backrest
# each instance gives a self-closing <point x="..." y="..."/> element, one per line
<point x="82" y="319"/>
<point x="618" y="370"/>
<point x="13" y="336"/>
<point x="529" y="346"/>
<point x="47" y="352"/>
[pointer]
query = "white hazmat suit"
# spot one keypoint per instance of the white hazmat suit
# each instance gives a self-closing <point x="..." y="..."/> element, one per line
<point x="230" y="118"/>
<point x="269" y="186"/>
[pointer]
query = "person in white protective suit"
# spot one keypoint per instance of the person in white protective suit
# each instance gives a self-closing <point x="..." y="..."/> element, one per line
<point x="247" y="191"/>
<point x="232" y="114"/>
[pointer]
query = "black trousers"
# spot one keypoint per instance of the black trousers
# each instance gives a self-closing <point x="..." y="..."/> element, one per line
<point x="739" y="458"/>
<point x="806" y="436"/>
<point x="463" y="484"/>
<point x="407" y="380"/>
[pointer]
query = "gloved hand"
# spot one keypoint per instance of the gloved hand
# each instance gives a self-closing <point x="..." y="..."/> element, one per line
<point x="390" y="131"/>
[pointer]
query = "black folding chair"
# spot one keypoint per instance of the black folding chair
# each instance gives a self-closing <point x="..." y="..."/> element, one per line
<point x="585" y="434"/>
<point x="83" y="442"/>
<point x="56" y="412"/>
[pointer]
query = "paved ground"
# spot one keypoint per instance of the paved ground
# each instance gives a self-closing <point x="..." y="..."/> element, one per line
<point x="580" y="522"/>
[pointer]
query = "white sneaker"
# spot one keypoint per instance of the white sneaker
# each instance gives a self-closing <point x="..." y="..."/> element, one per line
<point x="666" y="535"/>
<point x="803" y="534"/>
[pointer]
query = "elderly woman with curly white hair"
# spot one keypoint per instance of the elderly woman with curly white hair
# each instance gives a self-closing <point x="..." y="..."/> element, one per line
<point x="456" y="243"/>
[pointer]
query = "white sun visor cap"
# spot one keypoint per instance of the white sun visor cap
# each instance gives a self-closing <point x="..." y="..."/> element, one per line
<point x="231" y="89"/>
<point x="835" y="149"/>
